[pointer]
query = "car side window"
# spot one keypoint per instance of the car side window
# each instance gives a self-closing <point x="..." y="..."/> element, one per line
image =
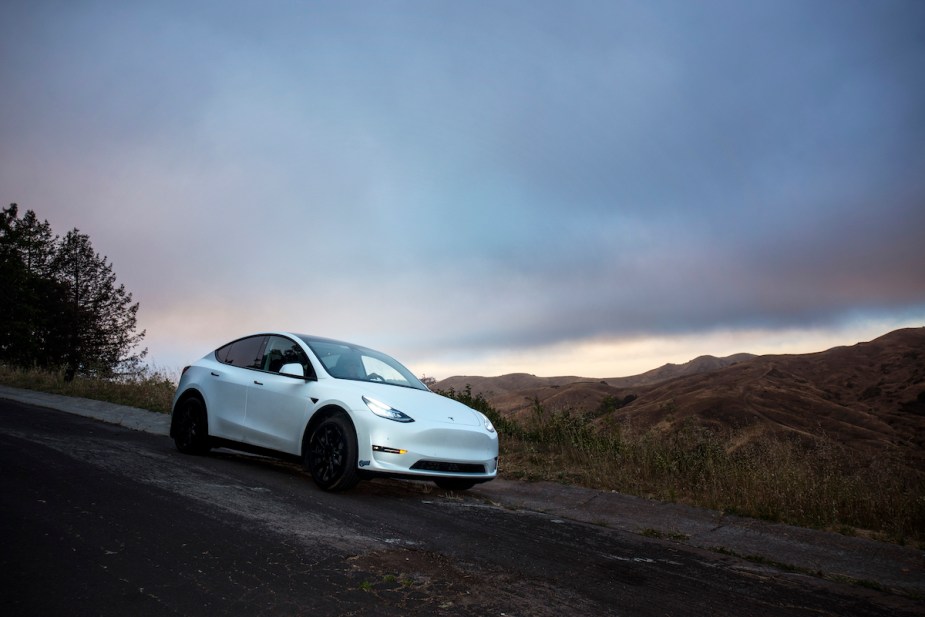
<point x="281" y="351"/>
<point x="243" y="353"/>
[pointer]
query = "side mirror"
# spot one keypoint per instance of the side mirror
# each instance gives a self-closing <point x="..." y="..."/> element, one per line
<point x="292" y="369"/>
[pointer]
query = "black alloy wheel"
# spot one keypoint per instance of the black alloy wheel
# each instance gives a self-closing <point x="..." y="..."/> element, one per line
<point x="332" y="454"/>
<point x="191" y="428"/>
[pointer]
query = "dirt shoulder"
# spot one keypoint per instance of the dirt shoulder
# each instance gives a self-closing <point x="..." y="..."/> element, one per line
<point x="890" y="567"/>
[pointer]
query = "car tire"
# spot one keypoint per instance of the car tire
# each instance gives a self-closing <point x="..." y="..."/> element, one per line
<point x="454" y="484"/>
<point x="331" y="455"/>
<point x="191" y="426"/>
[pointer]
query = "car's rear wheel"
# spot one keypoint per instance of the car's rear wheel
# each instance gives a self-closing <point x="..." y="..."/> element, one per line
<point x="331" y="456"/>
<point x="454" y="484"/>
<point x="191" y="428"/>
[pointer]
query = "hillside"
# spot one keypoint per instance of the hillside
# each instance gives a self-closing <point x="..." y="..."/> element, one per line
<point x="515" y="392"/>
<point x="870" y="395"/>
<point x="507" y="391"/>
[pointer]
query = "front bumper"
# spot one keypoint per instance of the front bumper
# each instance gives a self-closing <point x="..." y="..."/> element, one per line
<point x="433" y="451"/>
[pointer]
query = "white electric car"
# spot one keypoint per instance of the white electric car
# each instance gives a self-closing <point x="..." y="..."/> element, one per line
<point x="347" y="412"/>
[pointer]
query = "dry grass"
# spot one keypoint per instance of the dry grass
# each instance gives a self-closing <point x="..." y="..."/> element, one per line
<point x="151" y="390"/>
<point x="812" y="482"/>
<point x="817" y="486"/>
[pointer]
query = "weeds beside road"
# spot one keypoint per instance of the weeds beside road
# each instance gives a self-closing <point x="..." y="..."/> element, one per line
<point x="819" y="485"/>
<point x="816" y="483"/>
<point x="151" y="390"/>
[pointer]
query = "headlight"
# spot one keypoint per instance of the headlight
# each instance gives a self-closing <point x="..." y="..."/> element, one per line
<point x="384" y="411"/>
<point x="487" y="423"/>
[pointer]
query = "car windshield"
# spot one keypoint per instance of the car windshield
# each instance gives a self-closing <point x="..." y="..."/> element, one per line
<point x="346" y="361"/>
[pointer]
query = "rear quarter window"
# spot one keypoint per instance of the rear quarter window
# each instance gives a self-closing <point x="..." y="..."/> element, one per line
<point x="243" y="353"/>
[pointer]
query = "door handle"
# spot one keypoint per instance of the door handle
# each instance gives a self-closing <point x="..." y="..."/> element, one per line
<point x="214" y="374"/>
<point x="259" y="383"/>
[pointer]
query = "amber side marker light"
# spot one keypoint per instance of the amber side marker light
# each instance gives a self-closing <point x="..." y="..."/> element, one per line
<point x="389" y="450"/>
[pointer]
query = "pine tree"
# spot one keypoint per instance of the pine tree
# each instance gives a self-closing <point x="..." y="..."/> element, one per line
<point x="28" y="291"/>
<point x="100" y="317"/>
<point x="61" y="307"/>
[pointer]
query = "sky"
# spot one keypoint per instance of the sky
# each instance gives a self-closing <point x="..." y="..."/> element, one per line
<point x="587" y="188"/>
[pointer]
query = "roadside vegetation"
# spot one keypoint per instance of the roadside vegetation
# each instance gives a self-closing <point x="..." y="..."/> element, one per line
<point x="145" y="389"/>
<point x="817" y="484"/>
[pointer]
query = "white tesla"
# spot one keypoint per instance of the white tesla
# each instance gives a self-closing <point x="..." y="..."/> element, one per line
<point x="347" y="412"/>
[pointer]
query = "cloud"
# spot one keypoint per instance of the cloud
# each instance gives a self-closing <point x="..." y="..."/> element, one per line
<point x="482" y="177"/>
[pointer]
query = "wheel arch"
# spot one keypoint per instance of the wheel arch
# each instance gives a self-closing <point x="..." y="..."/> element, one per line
<point x="187" y="394"/>
<point x="320" y="416"/>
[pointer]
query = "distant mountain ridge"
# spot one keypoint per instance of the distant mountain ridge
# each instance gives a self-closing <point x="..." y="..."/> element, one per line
<point x="512" y="382"/>
<point x="700" y="364"/>
<point x="870" y="395"/>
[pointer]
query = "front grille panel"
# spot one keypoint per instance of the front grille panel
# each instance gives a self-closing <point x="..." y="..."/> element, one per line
<point x="448" y="467"/>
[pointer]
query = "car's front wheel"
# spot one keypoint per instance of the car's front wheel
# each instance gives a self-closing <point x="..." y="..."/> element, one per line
<point x="191" y="428"/>
<point x="331" y="456"/>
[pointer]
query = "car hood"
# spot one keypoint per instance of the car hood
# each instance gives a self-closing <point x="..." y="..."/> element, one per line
<point x="423" y="405"/>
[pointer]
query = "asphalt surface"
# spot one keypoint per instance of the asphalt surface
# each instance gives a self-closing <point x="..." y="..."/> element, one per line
<point x="772" y="548"/>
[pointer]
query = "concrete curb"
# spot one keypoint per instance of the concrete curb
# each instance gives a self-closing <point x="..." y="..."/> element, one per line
<point x="894" y="568"/>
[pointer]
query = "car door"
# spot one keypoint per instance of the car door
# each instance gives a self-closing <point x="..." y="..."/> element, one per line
<point x="230" y="379"/>
<point x="278" y="406"/>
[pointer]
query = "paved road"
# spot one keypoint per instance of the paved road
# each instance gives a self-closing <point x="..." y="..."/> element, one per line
<point x="100" y="520"/>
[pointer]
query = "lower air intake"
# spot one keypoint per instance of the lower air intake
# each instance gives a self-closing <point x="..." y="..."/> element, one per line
<point x="448" y="467"/>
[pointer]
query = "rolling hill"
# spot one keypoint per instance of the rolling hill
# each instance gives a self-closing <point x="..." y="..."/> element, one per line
<point x="870" y="395"/>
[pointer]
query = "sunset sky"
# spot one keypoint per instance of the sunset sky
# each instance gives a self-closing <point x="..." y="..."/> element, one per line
<point x="557" y="188"/>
